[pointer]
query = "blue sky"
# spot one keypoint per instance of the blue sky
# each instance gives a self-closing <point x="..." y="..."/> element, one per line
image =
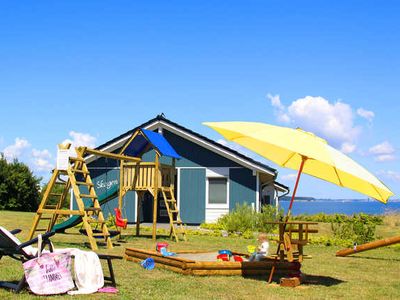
<point x="90" y="70"/>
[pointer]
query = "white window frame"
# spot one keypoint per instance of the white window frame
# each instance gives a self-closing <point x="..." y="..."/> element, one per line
<point x="217" y="173"/>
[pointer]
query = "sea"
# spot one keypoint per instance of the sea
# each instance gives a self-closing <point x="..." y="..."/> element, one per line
<point x="347" y="207"/>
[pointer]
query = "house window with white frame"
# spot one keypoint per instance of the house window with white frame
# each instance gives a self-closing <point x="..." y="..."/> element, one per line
<point x="217" y="190"/>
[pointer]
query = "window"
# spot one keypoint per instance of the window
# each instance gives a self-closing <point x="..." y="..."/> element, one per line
<point x="217" y="191"/>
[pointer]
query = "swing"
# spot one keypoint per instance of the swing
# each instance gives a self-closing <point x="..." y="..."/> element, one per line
<point x="119" y="222"/>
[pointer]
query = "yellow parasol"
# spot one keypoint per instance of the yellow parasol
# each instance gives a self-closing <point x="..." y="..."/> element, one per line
<point x="303" y="151"/>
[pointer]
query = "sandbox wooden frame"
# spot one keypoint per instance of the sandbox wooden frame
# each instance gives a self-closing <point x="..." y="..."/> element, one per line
<point x="207" y="268"/>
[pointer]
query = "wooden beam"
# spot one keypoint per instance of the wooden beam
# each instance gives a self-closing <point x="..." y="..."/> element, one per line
<point x="155" y="196"/>
<point x="109" y="155"/>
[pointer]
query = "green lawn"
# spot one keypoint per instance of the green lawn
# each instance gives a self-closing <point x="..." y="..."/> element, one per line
<point x="369" y="275"/>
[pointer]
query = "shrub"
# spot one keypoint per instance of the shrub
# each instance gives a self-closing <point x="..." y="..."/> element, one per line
<point x="359" y="228"/>
<point x="268" y="214"/>
<point x="338" y="218"/>
<point x="240" y="219"/>
<point x="245" y="220"/>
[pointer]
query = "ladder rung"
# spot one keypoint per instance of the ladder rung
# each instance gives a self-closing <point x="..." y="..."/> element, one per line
<point x="87" y="196"/>
<point x="94" y="221"/>
<point x="76" y="159"/>
<point x="174" y="210"/>
<point x="55" y="194"/>
<point x="79" y="171"/>
<point x="170" y="200"/>
<point x="84" y="183"/>
<point x="177" y="222"/>
<point x="92" y="208"/>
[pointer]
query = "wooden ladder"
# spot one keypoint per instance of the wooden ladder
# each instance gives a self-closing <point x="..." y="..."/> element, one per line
<point x="86" y="199"/>
<point x="50" y="208"/>
<point x="176" y="225"/>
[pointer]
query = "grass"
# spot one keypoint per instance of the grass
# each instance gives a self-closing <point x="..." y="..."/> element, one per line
<point x="372" y="274"/>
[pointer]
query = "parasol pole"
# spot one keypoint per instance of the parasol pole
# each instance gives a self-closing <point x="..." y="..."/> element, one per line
<point x="303" y="160"/>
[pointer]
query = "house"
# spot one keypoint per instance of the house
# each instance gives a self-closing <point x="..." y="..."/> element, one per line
<point x="211" y="179"/>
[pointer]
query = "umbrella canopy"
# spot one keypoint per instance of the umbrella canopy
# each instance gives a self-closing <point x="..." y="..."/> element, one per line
<point x="298" y="149"/>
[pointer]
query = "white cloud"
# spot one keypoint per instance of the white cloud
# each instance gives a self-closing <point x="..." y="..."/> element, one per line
<point x="16" y="150"/>
<point x="383" y="152"/>
<point x="79" y="139"/>
<point x="289" y="177"/>
<point x="392" y="175"/>
<point x="385" y="157"/>
<point x="330" y="120"/>
<point x="276" y="101"/>
<point x="347" y="148"/>
<point x="366" y="114"/>
<point x="279" y="108"/>
<point x="41" y="160"/>
<point x="382" y="148"/>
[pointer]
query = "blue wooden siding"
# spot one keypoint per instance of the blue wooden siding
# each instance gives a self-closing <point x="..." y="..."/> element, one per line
<point x="128" y="209"/>
<point x="106" y="178"/>
<point x="194" y="155"/>
<point x="192" y="195"/>
<point x="242" y="187"/>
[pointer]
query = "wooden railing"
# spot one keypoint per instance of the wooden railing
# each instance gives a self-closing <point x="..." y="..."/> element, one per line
<point x="141" y="176"/>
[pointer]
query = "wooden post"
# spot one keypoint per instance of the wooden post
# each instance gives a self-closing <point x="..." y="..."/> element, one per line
<point x="139" y="202"/>
<point x="155" y="195"/>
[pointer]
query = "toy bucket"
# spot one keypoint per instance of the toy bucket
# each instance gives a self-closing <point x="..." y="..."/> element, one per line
<point x="148" y="263"/>
<point x="223" y="257"/>
<point x="161" y="245"/>
<point x="237" y="258"/>
<point x="251" y="249"/>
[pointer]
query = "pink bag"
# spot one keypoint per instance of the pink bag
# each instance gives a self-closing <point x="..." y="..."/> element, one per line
<point x="49" y="273"/>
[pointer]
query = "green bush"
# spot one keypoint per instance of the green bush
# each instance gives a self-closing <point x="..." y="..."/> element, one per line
<point x="244" y="220"/>
<point x="359" y="228"/>
<point x="268" y="214"/>
<point x="338" y="218"/>
<point x="240" y="219"/>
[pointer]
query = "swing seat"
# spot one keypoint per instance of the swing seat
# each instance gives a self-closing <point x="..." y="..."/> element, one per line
<point x="119" y="221"/>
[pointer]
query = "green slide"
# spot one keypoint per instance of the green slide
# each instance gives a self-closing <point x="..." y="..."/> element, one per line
<point x="75" y="220"/>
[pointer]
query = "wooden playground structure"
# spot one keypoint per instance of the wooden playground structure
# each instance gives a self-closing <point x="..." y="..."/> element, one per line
<point x="135" y="175"/>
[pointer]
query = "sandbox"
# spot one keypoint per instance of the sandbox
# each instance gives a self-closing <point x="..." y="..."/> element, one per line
<point x="204" y="263"/>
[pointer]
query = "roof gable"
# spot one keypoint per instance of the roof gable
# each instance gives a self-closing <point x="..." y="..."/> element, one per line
<point x="162" y="122"/>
